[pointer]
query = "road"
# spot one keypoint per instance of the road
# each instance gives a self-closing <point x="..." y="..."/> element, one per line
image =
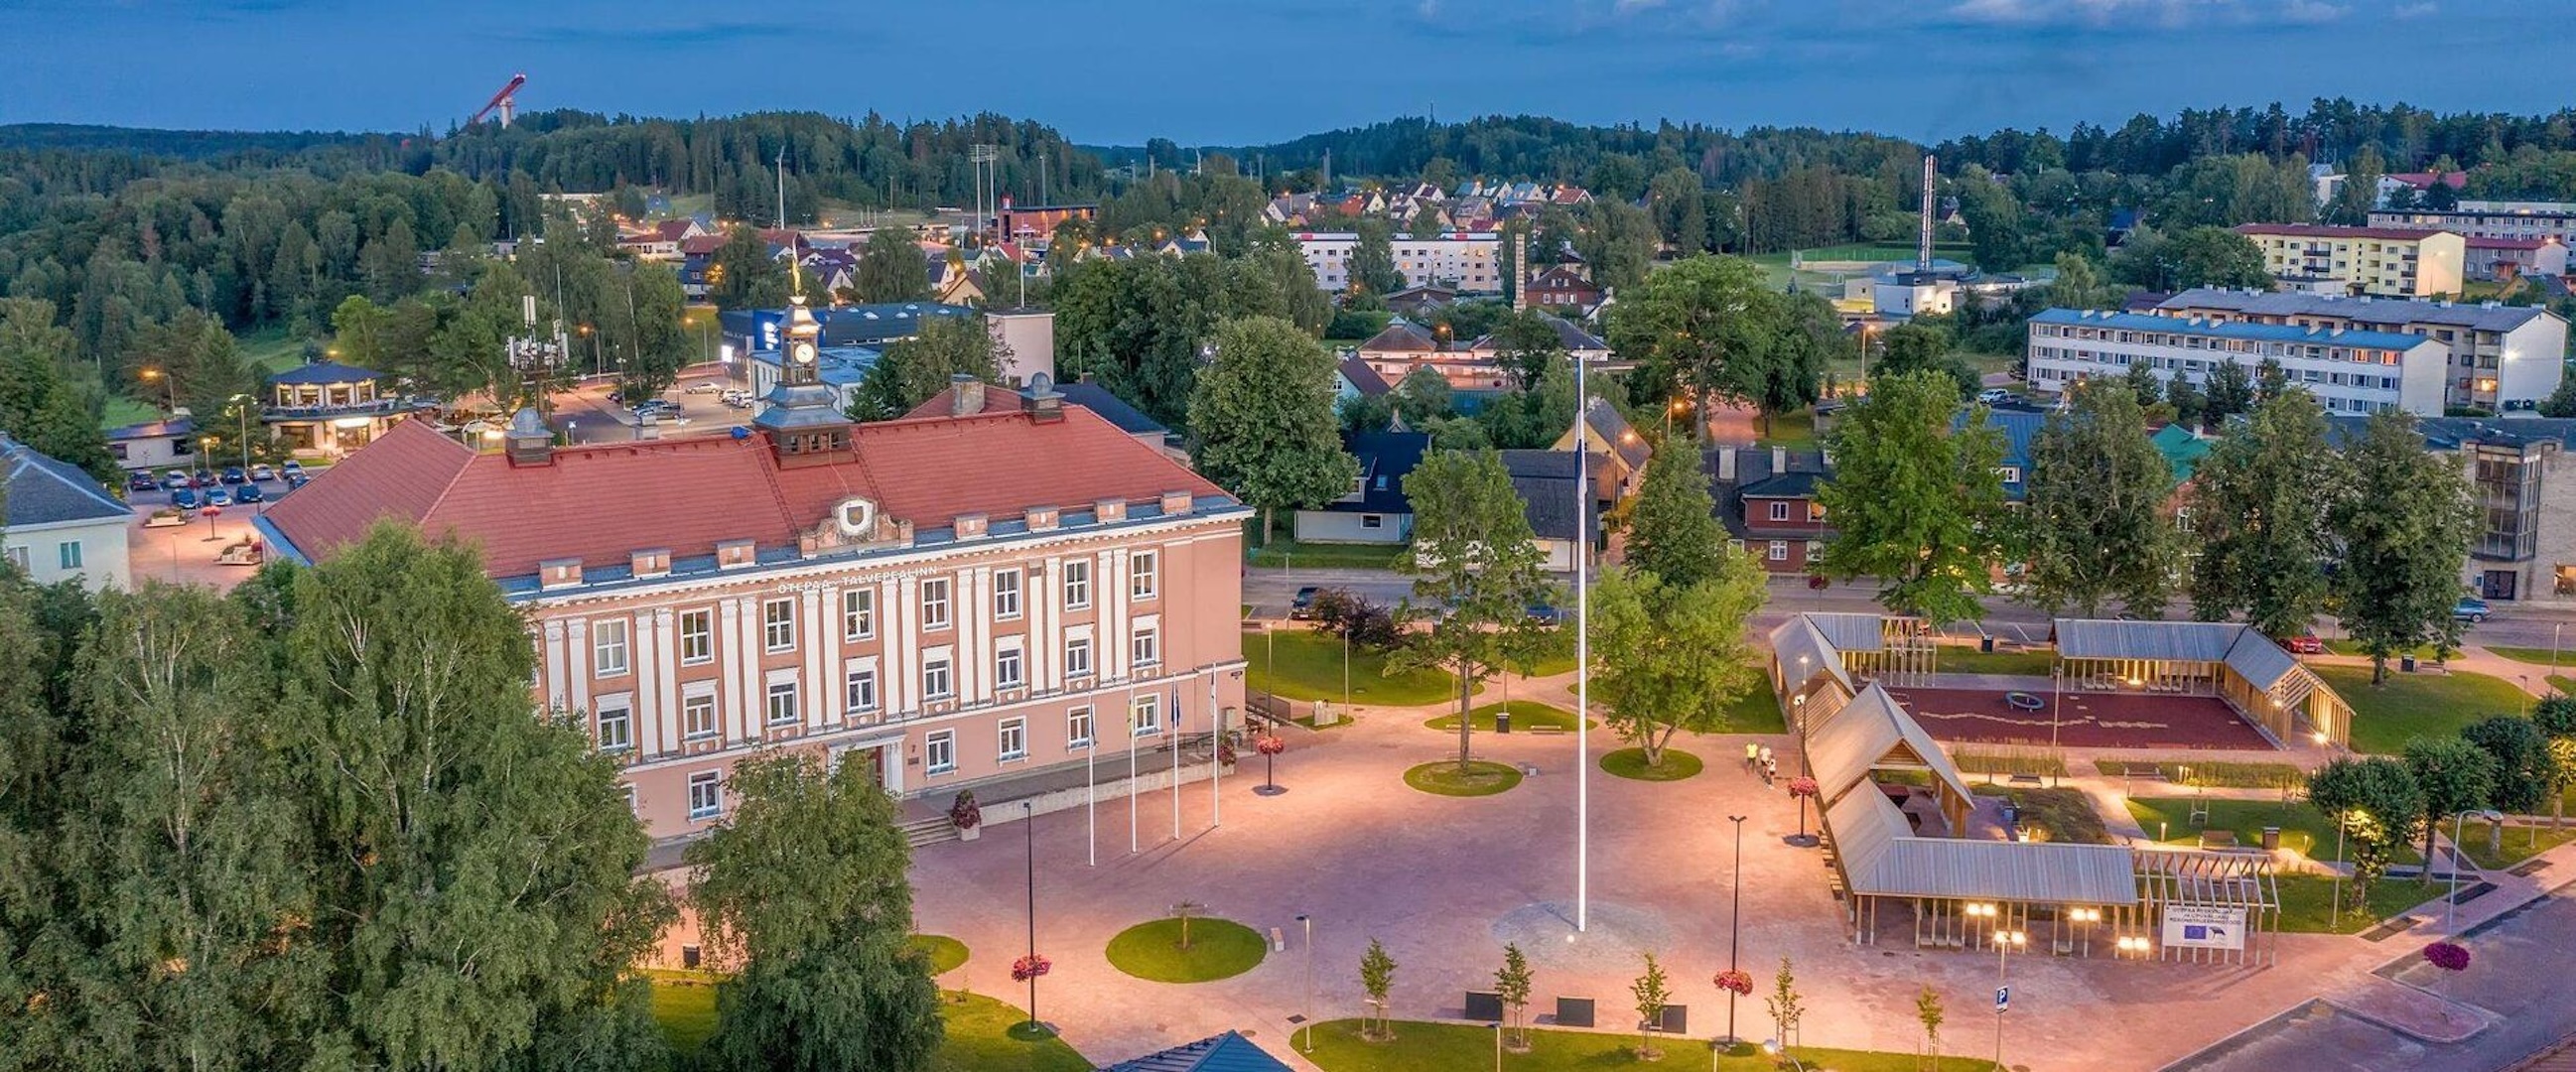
<point x="2512" y="955"/>
<point x="585" y="415"/>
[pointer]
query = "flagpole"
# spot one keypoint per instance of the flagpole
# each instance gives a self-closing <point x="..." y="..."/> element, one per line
<point x="1216" y="759"/>
<point x="1091" y="788"/>
<point x="1582" y="650"/>
<point x="1131" y="770"/>
<point x="1178" y="720"/>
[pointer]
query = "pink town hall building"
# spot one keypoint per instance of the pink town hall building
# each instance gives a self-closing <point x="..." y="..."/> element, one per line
<point x="958" y="599"/>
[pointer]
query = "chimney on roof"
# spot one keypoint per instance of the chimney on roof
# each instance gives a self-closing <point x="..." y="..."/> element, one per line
<point x="1726" y="464"/>
<point x="1779" y="459"/>
<point x="529" y="441"/>
<point x="965" y="394"/>
<point x="1044" y="403"/>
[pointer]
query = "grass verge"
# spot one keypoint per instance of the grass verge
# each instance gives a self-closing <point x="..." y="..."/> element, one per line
<point x="2304" y="829"/>
<point x="2058" y="815"/>
<point x="2307" y="903"/>
<point x="1757" y="711"/>
<point x="981" y="1039"/>
<point x="2520" y="842"/>
<point x="2215" y="774"/>
<point x="1480" y="779"/>
<point x="1219" y="949"/>
<point x="2407" y="706"/>
<point x="1289" y="554"/>
<point x="1526" y="714"/>
<point x="1963" y="660"/>
<point x="946" y="954"/>
<point x="2535" y="656"/>
<point x="1430" y="1047"/>
<point x="1310" y="668"/>
<point x="1630" y="763"/>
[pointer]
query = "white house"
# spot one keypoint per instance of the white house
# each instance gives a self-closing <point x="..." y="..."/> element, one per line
<point x="60" y="524"/>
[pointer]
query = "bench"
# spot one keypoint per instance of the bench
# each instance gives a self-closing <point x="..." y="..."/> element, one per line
<point x="1549" y="730"/>
<point x="2218" y="839"/>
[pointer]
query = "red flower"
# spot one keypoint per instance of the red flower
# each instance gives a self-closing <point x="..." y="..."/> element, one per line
<point x="1802" y="786"/>
<point x="2448" y="956"/>
<point x="1029" y="967"/>
<point x="1225" y="753"/>
<point x="1730" y="979"/>
<point x="1271" y="745"/>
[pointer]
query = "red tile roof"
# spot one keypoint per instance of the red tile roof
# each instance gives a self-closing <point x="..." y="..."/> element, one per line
<point x="600" y="504"/>
<point x="2423" y="180"/>
<point x="2319" y="230"/>
<point x="2476" y="242"/>
<point x="697" y="245"/>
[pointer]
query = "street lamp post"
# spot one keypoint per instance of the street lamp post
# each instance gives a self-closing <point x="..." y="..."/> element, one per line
<point x="1735" y="922"/>
<point x="2005" y="941"/>
<point x="2451" y="904"/>
<point x="1029" y="840"/>
<point x="1307" y="923"/>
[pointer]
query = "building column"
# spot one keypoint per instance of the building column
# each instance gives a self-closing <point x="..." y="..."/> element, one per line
<point x="814" y="649"/>
<point x="577" y="643"/>
<point x="557" y="670"/>
<point x="644" y="716"/>
<point x="974" y="639"/>
<point x="666" y="675"/>
<point x="903" y="645"/>
<point x="1045" y="647"/>
<point x="742" y="624"/>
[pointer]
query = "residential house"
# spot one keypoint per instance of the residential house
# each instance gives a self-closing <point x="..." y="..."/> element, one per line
<point x="2349" y="370"/>
<point x="1623" y="453"/>
<point x="1563" y="286"/>
<point x="1469" y="262"/>
<point x="662" y="241"/>
<point x="1416" y="301"/>
<point x="1578" y="342"/>
<point x="1375" y="510"/>
<point x="1766" y="498"/>
<point x="57" y="523"/>
<point x="1353" y="378"/>
<point x="2491" y="219"/>
<point x="2501" y="356"/>
<point x="2384" y="262"/>
<point x="152" y="445"/>
<point x="1544" y="479"/>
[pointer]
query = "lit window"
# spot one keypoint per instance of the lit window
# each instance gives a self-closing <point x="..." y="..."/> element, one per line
<point x="940" y="751"/>
<point x="706" y="795"/>
<point x="608" y="647"/>
<point x="778" y="624"/>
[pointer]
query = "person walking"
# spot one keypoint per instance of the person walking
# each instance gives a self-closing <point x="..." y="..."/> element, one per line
<point x="1752" y="756"/>
<point x="1770" y="765"/>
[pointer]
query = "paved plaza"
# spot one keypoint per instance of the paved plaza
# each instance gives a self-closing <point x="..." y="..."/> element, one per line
<point x="1442" y="881"/>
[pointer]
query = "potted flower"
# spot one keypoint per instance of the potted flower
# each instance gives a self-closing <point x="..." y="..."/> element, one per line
<point x="1737" y="982"/>
<point x="2448" y="956"/>
<point x="1270" y="745"/>
<point x="1801" y="788"/>
<point x="966" y="815"/>
<point x="1026" y="970"/>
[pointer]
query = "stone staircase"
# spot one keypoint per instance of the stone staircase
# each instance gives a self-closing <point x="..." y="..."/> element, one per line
<point x="930" y="831"/>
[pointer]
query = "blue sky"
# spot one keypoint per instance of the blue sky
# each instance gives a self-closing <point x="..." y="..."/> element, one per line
<point x="1235" y="71"/>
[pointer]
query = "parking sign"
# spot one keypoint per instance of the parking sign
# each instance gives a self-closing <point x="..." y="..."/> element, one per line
<point x="2003" y="999"/>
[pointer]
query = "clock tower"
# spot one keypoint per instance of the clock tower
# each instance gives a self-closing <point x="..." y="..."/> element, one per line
<point x="803" y="417"/>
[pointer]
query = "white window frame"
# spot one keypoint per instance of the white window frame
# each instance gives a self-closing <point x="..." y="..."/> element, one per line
<point x="942" y="662"/>
<point x="703" y="638"/>
<point x="1011" y="738"/>
<point x="781" y="683"/>
<point x="618" y="711"/>
<point x="1144" y="575"/>
<point x="939" y="751"/>
<point x="1006" y="594"/>
<point x="1084" y="666"/>
<point x="1778" y="551"/>
<point x="709" y="787"/>
<point x="1010" y="664"/>
<point x="714" y="707"/>
<point x="859" y="686"/>
<point x="1081" y="729"/>
<point x="774" y="626"/>
<point x="1077" y="584"/>
<point x="1779" y="510"/>
<point x="1145" y="715"/>
<point x="858" y="614"/>
<point x="68" y="555"/>
<point x="610" y="658"/>
<point x="935" y="604"/>
<point x="1145" y="643"/>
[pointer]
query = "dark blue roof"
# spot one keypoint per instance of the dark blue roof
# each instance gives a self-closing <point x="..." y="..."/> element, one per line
<point x="324" y="372"/>
<point x="2018" y="427"/>
<point x="43" y="491"/>
<point x="1385" y="458"/>
<point x="175" y="426"/>
<point x="1229" y="1052"/>
<point x="1110" y="407"/>
<point x="2229" y="329"/>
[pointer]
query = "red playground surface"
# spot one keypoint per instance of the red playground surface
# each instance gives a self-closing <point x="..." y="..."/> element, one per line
<point x="2087" y="719"/>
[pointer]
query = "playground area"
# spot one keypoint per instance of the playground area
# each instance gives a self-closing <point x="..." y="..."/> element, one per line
<point x="2079" y="719"/>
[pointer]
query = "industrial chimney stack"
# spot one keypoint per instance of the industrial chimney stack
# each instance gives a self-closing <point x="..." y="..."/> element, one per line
<point x="1923" y="238"/>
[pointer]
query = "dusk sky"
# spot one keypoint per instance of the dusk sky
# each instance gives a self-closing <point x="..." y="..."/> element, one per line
<point x="1247" y="71"/>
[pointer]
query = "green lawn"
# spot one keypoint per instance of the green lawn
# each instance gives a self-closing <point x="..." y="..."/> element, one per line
<point x="2307" y="903"/>
<point x="2566" y="658"/>
<point x="1219" y="949"/>
<point x="1526" y="714"/>
<point x="270" y="350"/>
<point x="1796" y="431"/>
<point x="946" y="954"/>
<point x="2303" y="827"/>
<point x="1757" y="711"/>
<point x="2385" y="717"/>
<point x="2064" y="815"/>
<point x="2216" y="774"/>
<point x="2520" y="842"/>
<point x="1291" y="554"/>
<point x="2353" y="647"/>
<point x="1964" y="660"/>
<point x="1310" y="668"/>
<point x="684" y="1003"/>
<point x="121" y="411"/>
<point x="1630" y="763"/>
<point x="2563" y="683"/>
<point x="1429" y="1047"/>
<point x="979" y="1040"/>
<point x="1480" y="779"/>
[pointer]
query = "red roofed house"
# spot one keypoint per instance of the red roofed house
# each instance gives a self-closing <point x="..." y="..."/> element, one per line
<point x="955" y="600"/>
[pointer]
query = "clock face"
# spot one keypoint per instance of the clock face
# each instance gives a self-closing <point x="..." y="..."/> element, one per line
<point x="804" y="353"/>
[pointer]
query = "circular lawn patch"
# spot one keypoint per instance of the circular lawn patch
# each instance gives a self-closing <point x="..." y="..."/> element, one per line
<point x="1631" y="763"/>
<point x="1218" y="949"/>
<point x="946" y="954"/>
<point x="1480" y="779"/>
<point x="1526" y="715"/>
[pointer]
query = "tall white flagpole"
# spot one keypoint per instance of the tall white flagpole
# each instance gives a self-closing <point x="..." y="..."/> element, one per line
<point x="1091" y="789"/>
<point x="1132" y="772"/>
<point x="1177" y="722"/>
<point x="1582" y="649"/>
<point x="1216" y="762"/>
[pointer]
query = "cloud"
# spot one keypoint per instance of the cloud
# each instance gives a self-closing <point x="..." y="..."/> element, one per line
<point x="2417" y="11"/>
<point x="1626" y="7"/>
<point x="2145" y="14"/>
<point x="2312" y="12"/>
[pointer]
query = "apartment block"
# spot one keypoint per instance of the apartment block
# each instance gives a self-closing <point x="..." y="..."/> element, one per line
<point x="2388" y="262"/>
<point x="2350" y="371"/>
<point x="2502" y="357"/>
<point x="1467" y="261"/>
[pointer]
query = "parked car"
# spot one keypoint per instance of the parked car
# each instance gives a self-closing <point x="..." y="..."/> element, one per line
<point x="174" y="479"/>
<point x="291" y="468"/>
<point x="183" y="498"/>
<point x="204" y="478"/>
<point x="1303" y="606"/>
<point x="296" y="479"/>
<point x="248" y="493"/>
<point x="263" y="471"/>
<point x="1543" y="614"/>
<point x="219" y="496"/>
<point x="704" y="387"/>
<point x="2304" y="644"/>
<point x="233" y="475"/>
<point x="2470" y="609"/>
<point x="141" y="482"/>
<point x="1993" y="395"/>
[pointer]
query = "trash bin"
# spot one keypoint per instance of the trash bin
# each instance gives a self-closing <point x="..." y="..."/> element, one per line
<point x="1986" y="642"/>
<point x="2271" y="839"/>
<point x="2406" y="662"/>
<point x="1502" y="722"/>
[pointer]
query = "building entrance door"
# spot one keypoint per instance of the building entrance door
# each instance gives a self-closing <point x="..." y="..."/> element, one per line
<point x="2499" y="584"/>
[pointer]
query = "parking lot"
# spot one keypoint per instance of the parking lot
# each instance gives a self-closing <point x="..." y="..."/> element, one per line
<point x="694" y="406"/>
<point x="186" y="546"/>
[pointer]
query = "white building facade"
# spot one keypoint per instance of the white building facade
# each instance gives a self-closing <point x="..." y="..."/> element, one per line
<point x="2502" y="357"/>
<point x="2349" y="371"/>
<point x="1470" y="261"/>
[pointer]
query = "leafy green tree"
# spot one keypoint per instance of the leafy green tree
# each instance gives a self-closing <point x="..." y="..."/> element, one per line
<point x="1525" y="345"/>
<point x="2555" y="717"/>
<point x="1474" y="554"/>
<point x="1425" y="222"/>
<point x="2231" y="392"/>
<point x="2561" y="401"/>
<point x="2454" y="775"/>
<point x="1423" y="396"/>
<point x="39" y="405"/>
<point x="39" y="954"/>
<point x="913" y="371"/>
<point x="1372" y="265"/>
<point x="475" y="864"/>
<point x="1786" y="1005"/>
<point x="1653" y="991"/>
<point x="2376" y="802"/>
<point x="1681" y="214"/>
<point x="2079" y="285"/>
<point x="1909" y="348"/>
<point x="1673" y="531"/>
<point x="2093" y="520"/>
<point x="2524" y="768"/>
<point x="1512" y="985"/>
<point x="1377" y="978"/>
<point x="891" y="269"/>
<point x="1713" y="329"/>
<point x="2352" y="201"/>
<point x="742" y="274"/>
<point x="1997" y="223"/>
<point x="803" y="893"/>
<point x="2184" y="400"/>
<point x="651" y="338"/>
<point x="1535" y="418"/>
<point x="2206" y="256"/>
<point x="1671" y="657"/>
<point x="1915" y="503"/>
<point x="1265" y="427"/>
<point x="2404" y="521"/>
<point x="2260" y="504"/>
